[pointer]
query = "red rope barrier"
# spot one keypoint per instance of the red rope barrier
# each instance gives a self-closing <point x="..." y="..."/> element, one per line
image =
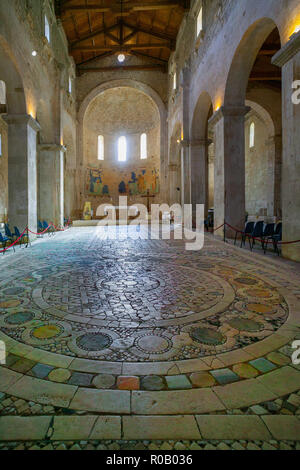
<point x="260" y="240"/>
<point x="15" y="242"/>
<point x="34" y="233"/>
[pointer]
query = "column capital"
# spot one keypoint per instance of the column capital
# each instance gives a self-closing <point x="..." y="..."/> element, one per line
<point x="200" y="142"/>
<point x="288" y="51"/>
<point x="52" y="147"/>
<point x="232" y="111"/>
<point x="22" y="119"/>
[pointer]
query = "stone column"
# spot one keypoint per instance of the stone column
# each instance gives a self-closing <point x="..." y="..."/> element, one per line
<point x="274" y="146"/>
<point x="186" y="196"/>
<point x="174" y="183"/>
<point x="229" y="195"/>
<point x="22" y="171"/>
<point x="51" y="183"/>
<point x="199" y="172"/>
<point x="289" y="59"/>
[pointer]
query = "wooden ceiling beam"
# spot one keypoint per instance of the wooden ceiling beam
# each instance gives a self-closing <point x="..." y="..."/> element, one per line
<point x="94" y="34"/>
<point x="152" y="67"/>
<point x="131" y="6"/>
<point x="152" y="32"/>
<point x="125" y="47"/>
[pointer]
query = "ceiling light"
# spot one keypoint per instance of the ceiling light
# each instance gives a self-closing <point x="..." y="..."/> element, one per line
<point x="34" y="53"/>
<point x="121" y="58"/>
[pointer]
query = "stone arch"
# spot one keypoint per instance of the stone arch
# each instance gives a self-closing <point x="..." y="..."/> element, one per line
<point x="201" y="114"/>
<point x="148" y="91"/>
<point x="243" y="61"/>
<point x="199" y="150"/>
<point x="9" y="74"/>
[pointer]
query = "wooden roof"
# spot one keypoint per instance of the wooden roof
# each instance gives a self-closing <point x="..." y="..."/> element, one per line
<point x="98" y="28"/>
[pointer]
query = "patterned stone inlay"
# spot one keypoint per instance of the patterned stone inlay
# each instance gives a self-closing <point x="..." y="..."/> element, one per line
<point x="93" y="341"/>
<point x="19" y="318"/>
<point x="245" y="324"/>
<point x="207" y="336"/>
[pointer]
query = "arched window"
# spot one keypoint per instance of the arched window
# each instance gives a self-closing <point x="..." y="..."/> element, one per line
<point x="200" y="22"/>
<point x="100" y="147"/>
<point x="252" y="135"/>
<point x="122" y="149"/>
<point x="175" y="81"/>
<point x="2" y="92"/>
<point x="0" y="145"/>
<point x="47" y="28"/>
<point x="70" y="85"/>
<point x="144" y="147"/>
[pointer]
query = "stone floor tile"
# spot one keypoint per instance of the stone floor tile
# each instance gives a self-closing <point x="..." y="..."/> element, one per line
<point x="104" y="401"/>
<point x="41" y="371"/>
<point x="263" y="365"/>
<point x="7" y="378"/>
<point x="232" y="427"/>
<point x="42" y="391"/>
<point x="59" y="375"/>
<point x="244" y="393"/>
<point x="128" y="383"/>
<point x="281" y="381"/>
<point x="23" y="365"/>
<point x="245" y="371"/>
<point x="160" y="427"/>
<point x="15" y="428"/>
<point x="279" y="358"/>
<point x="81" y="379"/>
<point x="178" y="382"/>
<point x="283" y="427"/>
<point x="107" y="427"/>
<point x="153" y="383"/>
<point x="174" y="402"/>
<point x="104" y="381"/>
<point x="72" y="427"/>
<point x="202" y="379"/>
<point x="96" y="367"/>
<point x="224" y="376"/>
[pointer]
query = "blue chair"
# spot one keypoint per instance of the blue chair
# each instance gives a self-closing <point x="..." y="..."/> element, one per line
<point x="268" y="232"/>
<point x="276" y="238"/>
<point x="10" y="236"/>
<point x="25" y="236"/>
<point x="257" y="232"/>
<point x="4" y="240"/>
<point x="249" y="226"/>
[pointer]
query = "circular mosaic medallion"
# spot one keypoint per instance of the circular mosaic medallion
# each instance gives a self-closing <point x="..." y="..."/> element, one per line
<point x="207" y="336"/>
<point x="14" y="291"/>
<point x="19" y="318"/>
<point x="153" y="344"/>
<point x="93" y="341"/>
<point x="245" y="325"/>
<point x="46" y="332"/>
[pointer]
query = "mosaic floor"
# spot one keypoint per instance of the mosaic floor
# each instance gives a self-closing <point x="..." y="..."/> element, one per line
<point x="143" y="327"/>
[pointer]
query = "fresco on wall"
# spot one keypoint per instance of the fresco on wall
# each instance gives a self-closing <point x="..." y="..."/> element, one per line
<point x="95" y="183"/>
<point x="140" y="182"/>
<point x="106" y="182"/>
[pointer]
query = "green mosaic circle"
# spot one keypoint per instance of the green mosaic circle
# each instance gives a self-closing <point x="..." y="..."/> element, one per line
<point x="207" y="336"/>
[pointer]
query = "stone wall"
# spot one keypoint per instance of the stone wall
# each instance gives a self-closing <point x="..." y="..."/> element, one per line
<point x="3" y="172"/>
<point x="116" y="112"/>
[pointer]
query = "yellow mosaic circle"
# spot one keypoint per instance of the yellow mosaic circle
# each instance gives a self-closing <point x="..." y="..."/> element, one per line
<point x="46" y="332"/>
<point x="260" y="308"/>
<point x="10" y="304"/>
